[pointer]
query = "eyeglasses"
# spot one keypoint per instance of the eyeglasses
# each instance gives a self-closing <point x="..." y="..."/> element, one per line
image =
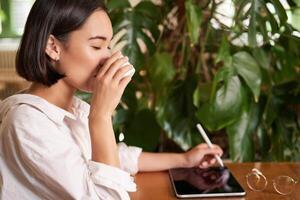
<point x="284" y="185"/>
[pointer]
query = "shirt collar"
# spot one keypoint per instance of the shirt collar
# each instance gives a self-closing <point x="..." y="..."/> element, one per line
<point x="54" y="113"/>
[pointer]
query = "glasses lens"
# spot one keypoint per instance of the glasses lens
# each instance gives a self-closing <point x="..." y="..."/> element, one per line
<point x="284" y="184"/>
<point x="256" y="181"/>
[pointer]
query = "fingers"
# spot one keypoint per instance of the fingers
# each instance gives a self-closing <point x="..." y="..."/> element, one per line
<point x="207" y="162"/>
<point x="124" y="82"/>
<point x="116" y="68"/>
<point x="108" y="62"/>
<point x="123" y="71"/>
<point x="215" y="149"/>
<point x="111" y="61"/>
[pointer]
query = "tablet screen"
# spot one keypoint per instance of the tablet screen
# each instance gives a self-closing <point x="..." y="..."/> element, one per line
<point x="213" y="181"/>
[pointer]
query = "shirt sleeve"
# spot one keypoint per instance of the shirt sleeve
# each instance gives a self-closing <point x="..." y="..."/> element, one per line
<point x="47" y="161"/>
<point x="129" y="156"/>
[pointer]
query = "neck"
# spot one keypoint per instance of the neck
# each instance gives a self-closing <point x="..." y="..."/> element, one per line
<point x="59" y="94"/>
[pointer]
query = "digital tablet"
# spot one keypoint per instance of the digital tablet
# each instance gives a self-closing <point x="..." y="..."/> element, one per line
<point x="210" y="182"/>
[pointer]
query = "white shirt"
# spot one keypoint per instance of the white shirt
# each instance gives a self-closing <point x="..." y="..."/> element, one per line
<point x="45" y="153"/>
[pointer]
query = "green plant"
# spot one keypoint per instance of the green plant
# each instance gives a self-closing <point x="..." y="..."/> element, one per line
<point x="240" y="80"/>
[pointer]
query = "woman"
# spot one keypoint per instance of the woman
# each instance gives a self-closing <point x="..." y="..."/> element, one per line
<point x="55" y="146"/>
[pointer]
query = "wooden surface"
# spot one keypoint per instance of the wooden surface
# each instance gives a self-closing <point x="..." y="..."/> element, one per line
<point x="157" y="186"/>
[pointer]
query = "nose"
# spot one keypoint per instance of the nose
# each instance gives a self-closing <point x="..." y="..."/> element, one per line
<point x="106" y="55"/>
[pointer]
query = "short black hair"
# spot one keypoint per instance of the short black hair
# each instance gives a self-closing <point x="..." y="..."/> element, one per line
<point x="46" y="17"/>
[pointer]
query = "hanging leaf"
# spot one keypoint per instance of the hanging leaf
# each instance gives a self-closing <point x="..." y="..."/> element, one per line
<point x="226" y="106"/>
<point x="248" y="69"/>
<point x="177" y="113"/>
<point x="261" y="57"/>
<point x="161" y="70"/>
<point x="143" y="131"/>
<point x="280" y="11"/>
<point x="241" y="133"/>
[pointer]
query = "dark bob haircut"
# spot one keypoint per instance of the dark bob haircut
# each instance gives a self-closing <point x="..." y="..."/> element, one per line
<point x="56" y="17"/>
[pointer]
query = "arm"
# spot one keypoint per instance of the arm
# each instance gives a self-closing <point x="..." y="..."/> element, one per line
<point x="109" y="86"/>
<point x="160" y="161"/>
<point x="201" y="156"/>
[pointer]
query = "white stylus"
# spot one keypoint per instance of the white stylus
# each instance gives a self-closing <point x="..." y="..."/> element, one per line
<point x="208" y="142"/>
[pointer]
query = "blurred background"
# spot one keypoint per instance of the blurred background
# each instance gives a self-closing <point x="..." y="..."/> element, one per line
<point x="232" y="65"/>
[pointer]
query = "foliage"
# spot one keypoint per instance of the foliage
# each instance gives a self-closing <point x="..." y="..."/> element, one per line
<point x="239" y="79"/>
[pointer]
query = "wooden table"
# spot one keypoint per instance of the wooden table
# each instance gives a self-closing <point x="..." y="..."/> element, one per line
<point x="157" y="186"/>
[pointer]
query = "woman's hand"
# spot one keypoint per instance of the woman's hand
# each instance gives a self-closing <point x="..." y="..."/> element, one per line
<point x="202" y="156"/>
<point x="109" y="86"/>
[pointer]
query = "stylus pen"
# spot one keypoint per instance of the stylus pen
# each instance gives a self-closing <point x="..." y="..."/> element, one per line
<point x="208" y="142"/>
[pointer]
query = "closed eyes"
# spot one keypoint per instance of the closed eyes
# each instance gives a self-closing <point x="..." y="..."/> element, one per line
<point x="98" y="48"/>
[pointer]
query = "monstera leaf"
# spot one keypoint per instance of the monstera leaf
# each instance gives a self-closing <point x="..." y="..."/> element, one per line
<point x="261" y="16"/>
<point x="140" y="26"/>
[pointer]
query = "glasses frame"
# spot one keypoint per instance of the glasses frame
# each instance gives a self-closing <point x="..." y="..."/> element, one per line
<point x="255" y="171"/>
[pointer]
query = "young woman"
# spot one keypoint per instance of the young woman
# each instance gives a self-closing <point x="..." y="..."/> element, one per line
<point x="52" y="144"/>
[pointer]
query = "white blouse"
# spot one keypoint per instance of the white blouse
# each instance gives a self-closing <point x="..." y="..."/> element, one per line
<point x="46" y="154"/>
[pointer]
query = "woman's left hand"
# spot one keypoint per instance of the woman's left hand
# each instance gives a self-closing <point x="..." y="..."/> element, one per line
<point x="202" y="156"/>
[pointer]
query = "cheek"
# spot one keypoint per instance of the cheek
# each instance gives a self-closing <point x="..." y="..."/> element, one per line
<point x="80" y="66"/>
<point x="84" y="61"/>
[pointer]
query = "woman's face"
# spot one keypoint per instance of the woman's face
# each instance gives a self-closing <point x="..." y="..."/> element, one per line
<point x="85" y="52"/>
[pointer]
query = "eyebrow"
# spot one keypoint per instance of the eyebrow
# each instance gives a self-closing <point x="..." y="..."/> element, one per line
<point x="98" y="37"/>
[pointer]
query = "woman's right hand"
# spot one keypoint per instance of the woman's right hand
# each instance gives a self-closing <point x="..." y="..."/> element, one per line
<point x="109" y="86"/>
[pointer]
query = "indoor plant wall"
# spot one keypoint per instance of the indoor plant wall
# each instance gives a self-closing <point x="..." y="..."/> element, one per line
<point x="239" y="80"/>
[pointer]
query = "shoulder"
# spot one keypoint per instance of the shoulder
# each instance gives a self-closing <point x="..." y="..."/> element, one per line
<point x="25" y="118"/>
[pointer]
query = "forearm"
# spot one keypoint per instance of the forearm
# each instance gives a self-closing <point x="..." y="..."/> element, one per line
<point x="104" y="147"/>
<point x="160" y="161"/>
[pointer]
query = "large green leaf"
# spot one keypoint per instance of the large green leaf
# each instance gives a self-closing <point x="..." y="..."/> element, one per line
<point x="285" y="69"/>
<point x="241" y="133"/>
<point x="141" y="25"/>
<point x="280" y="11"/>
<point x="161" y="70"/>
<point x="225" y="108"/>
<point x="176" y="115"/>
<point x="223" y="75"/>
<point x="248" y="69"/>
<point x="262" y="20"/>
<point x="202" y="93"/>
<point x="296" y="18"/>
<point x="143" y="130"/>
<point x="117" y="4"/>
<point x="261" y="57"/>
<point x="194" y="19"/>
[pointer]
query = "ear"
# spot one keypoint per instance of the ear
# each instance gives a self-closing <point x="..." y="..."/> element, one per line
<point x="52" y="48"/>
